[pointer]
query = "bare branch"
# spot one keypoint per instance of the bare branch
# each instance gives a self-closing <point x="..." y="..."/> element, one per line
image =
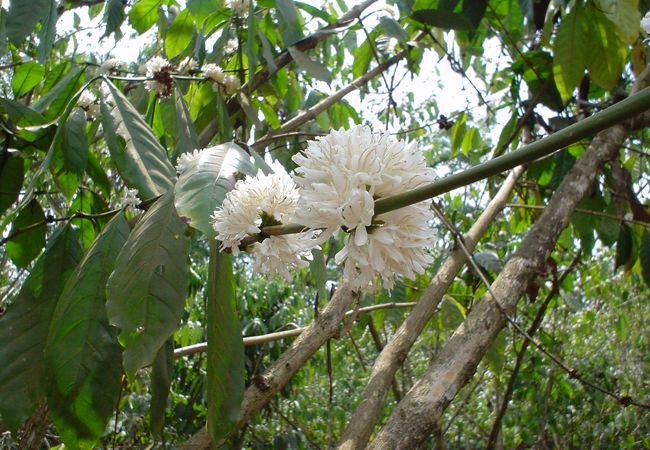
<point x="363" y="420"/>
<point x="412" y="420"/>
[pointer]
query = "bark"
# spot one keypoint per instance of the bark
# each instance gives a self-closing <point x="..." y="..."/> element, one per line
<point x="413" y="419"/>
<point x="35" y="429"/>
<point x="263" y="387"/>
<point x="358" y="431"/>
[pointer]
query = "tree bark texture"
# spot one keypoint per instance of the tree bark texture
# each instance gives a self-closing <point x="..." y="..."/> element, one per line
<point x="263" y="387"/>
<point x="412" y="421"/>
<point x="362" y="422"/>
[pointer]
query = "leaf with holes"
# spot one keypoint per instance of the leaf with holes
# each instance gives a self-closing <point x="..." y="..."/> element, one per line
<point x="203" y="185"/>
<point x="82" y="353"/>
<point x="147" y="289"/>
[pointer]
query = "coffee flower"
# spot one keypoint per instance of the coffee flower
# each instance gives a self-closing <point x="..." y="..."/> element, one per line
<point x="260" y="201"/>
<point x="214" y="72"/>
<point x="239" y="7"/>
<point x="645" y="23"/>
<point x="159" y="70"/>
<point x="341" y="175"/>
<point x="110" y="65"/>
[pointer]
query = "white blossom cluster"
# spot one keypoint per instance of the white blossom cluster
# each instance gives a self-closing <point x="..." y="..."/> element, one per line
<point x="88" y="102"/>
<point x="239" y="7"/>
<point x="645" y="23"/>
<point x="259" y="201"/>
<point x="159" y="70"/>
<point x="338" y="179"/>
<point x="229" y="82"/>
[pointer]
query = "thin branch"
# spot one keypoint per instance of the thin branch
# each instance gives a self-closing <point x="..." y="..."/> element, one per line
<point x="362" y="422"/>
<point x="584" y="211"/>
<point x="280" y="335"/>
<point x="537" y="322"/>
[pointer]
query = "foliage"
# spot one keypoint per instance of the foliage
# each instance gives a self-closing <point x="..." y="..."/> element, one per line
<point x="97" y="287"/>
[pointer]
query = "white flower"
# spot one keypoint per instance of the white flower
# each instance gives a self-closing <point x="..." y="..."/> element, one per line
<point x="232" y="84"/>
<point x="188" y="64"/>
<point x="110" y="65"/>
<point x="231" y="46"/>
<point x="256" y="202"/>
<point x="214" y="72"/>
<point x="86" y="99"/>
<point x="390" y="10"/>
<point x="394" y="247"/>
<point x="131" y="200"/>
<point x="188" y="160"/>
<point x="160" y="70"/>
<point x="239" y="7"/>
<point x="341" y="176"/>
<point x="645" y="23"/>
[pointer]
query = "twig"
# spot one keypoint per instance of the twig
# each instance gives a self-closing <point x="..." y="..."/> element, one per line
<point x="584" y="211"/>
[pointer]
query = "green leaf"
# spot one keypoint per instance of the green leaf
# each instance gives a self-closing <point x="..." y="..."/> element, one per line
<point x="187" y="137"/>
<point x="570" y="50"/>
<point x="24" y="326"/>
<point x="21" y="115"/>
<point x="495" y="355"/>
<point x="179" y="34"/>
<point x="252" y="45"/>
<point x="225" y="347"/>
<point x="12" y="172"/>
<point x="75" y="142"/>
<point x="147" y="289"/>
<point x="26" y="246"/>
<point x="96" y="173"/>
<point x="22" y="17"/>
<point x="114" y="16"/>
<point x="201" y="9"/>
<point x="142" y="161"/>
<point x="624" y="246"/>
<point x="144" y="14"/>
<point x="393" y="28"/>
<point x="607" y="56"/>
<point x="203" y="185"/>
<point x="362" y="58"/>
<point x="314" y="68"/>
<point x="644" y="257"/>
<point x="26" y="77"/>
<point x="48" y="32"/>
<point x="289" y="24"/>
<point x="464" y="15"/>
<point x="82" y="354"/>
<point x="625" y="16"/>
<point x="52" y="104"/>
<point x="162" y="374"/>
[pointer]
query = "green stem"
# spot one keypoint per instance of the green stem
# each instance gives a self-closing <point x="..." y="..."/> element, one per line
<point x="598" y="122"/>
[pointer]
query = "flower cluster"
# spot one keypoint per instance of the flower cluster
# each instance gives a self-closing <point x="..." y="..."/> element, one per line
<point x="645" y="23"/>
<point x="88" y="102"/>
<point x="261" y="201"/>
<point x="229" y="82"/>
<point x="239" y="7"/>
<point x="159" y="70"/>
<point x="339" y="176"/>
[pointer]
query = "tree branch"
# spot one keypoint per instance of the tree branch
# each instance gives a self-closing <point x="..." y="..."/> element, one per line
<point x="362" y="422"/>
<point x="412" y="420"/>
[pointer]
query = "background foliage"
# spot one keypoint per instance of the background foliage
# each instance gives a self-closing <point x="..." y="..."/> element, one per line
<point x="95" y="296"/>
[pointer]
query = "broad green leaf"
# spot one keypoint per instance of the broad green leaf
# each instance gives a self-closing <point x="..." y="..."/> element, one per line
<point x="608" y="55"/>
<point x="114" y="16"/>
<point x="162" y="374"/>
<point x="147" y="289"/>
<point x="644" y="257"/>
<point x="466" y="15"/>
<point x="393" y="28"/>
<point x="624" y="246"/>
<point x="314" y="68"/>
<point x="96" y="173"/>
<point x="82" y="354"/>
<point x="252" y="45"/>
<point x="52" y="104"/>
<point x="48" y="32"/>
<point x="26" y="246"/>
<point x="24" y="327"/>
<point x="12" y="171"/>
<point x="22" y="17"/>
<point x="144" y="14"/>
<point x="187" y="137"/>
<point x="21" y="115"/>
<point x="141" y="161"/>
<point x="201" y="9"/>
<point x="362" y="57"/>
<point x="75" y="142"/>
<point x="226" y="371"/>
<point x="179" y="34"/>
<point x="289" y="25"/>
<point x="625" y="16"/>
<point x="495" y="355"/>
<point x="26" y="76"/>
<point x="204" y="183"/>
<point x="316" y="12"/>
<point x="571" y="51"/>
